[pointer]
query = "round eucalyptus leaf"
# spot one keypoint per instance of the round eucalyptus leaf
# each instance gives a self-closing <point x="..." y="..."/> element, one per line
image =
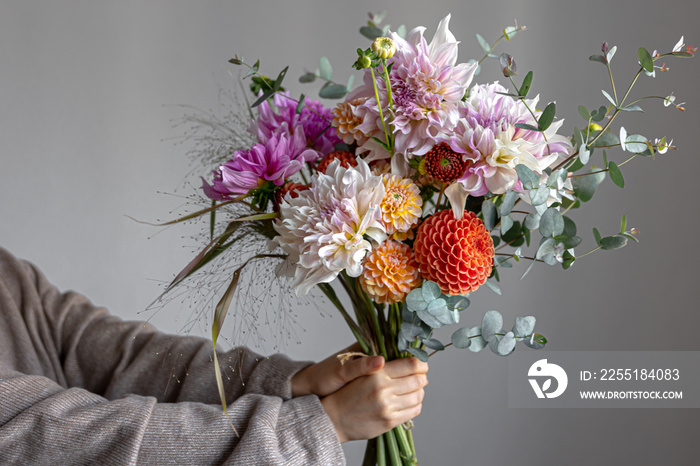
<point x="431" y="291"/>
<point x="532" y="221"/>
<point x="415" y="301"/>
<point x="459" y="302"/>
<point x="429" y="319"/>
<point x="460" y="339"/>
<point x="490" y="324"/>
<point x="551" y="223"/>
<point x="506" y="223"/>
<point x="613" y="242"/>
<point x="438" y="307"/>
<point x="506" y="345"/>
<point x="508" y="203"/>
<point x="419" y="353"/>
<point x="488" y="210"/>
<point x="524" y="326"/>
<point x="539" y="195"/>
<point x="432" y="343"/>
<point x="477" y="341"/>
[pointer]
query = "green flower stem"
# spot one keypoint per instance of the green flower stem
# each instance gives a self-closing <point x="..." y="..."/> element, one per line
<point x="388" y="86"/>
<point x="407" y="453"/>
<point x="370" y="458"/>
<point x="381" y="114"/>
<point x="409" y="434"/>
<point x="393" y="449"/>
<point x="381" y="451"/>
<point x="354" y="328"/>
<point x="522" y="99"/>
<point x="612" y="81"/>
<point x="589" y="252"/>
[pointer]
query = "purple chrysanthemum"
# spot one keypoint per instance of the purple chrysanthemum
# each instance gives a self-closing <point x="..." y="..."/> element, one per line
<point x="314" y="120"/>
<point x="279" y="157"/>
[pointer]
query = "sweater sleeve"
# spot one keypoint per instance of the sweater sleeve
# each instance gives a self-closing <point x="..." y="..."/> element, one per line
<point x="78" y="385"/>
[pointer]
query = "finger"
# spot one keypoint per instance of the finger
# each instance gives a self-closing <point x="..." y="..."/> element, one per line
<point x="409" y="384"/>
<point x="361" y="366"/>
<point x="408" y="401"/>
<point x="408" y="414"/>
<point x="404" y="367"/>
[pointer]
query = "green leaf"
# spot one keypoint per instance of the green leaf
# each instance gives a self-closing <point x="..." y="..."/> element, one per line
<point x="236" y="61"/>
<point x="527" y="127"/>
<point x="632" y="108"/>
<point x="333" y="91"/>
<point x="300" y="105"/>
<point x="569" y="226"/>
<point x="569" y="242"/>
<point x="477" y="341"/>
<point x="431" y="291"/>
<point x="482" y="42"/>
<point x="460" y="339"/>
<point x="623" y="224"/>
<point x="596" y="235"/>
<point x="613" y="242"/>
<point x="506" y="224"/>
<point x="488" y="210"/>
<point x="307" y="77"/>
<point x="568" y="260"/>
<point x="583" y="111"/>
<point x="525" y="87"/>
<point x="599" y="59"/>
<point x="532" y="221"/>
<point x="434" y="344"/>
<point x="536" y="341"/>
<point x="325" y="70"/>
<point x="636" y="143"/>
<point x="616" y="174"/>
<point x="419" y="353"/>
<point x="606" y="139"/>
<point x="585" y="186"/>
<point x="371" y="32"/>
<point x="527" y="176"/>
<point x="609" y="97"/>
<point x="645" y="60"/>
<point x="598" y="115"/>
<point x="505" y="345"/>
<point x="508" y="202"/>
<point x="551" y="223"/>
<point x="547" y="116"/>
<point x="540" y="195"/>
<point x="491" y="324"/>
<point x="254" y="69"/>
<point x="415" y="301"/>
<point x="493" y="287"/>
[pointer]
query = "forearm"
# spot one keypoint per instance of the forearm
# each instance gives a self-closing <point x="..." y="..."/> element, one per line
<point x="43" y="423"/>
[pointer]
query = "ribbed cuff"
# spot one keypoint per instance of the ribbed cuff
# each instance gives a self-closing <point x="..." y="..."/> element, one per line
<point x="273" y="376"/>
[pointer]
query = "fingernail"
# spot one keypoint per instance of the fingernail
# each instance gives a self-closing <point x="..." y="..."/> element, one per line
<point x="376" y="362"/>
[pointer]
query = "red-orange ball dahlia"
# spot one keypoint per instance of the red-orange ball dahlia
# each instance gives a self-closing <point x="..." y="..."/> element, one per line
<point x="347" y="159"/>
<point x="390" y="272"/>
<point x="456" y="254"/>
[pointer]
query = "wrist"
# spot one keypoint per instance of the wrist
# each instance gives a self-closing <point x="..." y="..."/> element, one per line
<point x="330" y="408"/>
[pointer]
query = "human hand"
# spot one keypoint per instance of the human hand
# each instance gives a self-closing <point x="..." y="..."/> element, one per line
<point x="330" y="375"/>
<point x="374" y="404"/>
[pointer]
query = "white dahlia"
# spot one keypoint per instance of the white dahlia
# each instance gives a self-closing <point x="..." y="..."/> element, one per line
<point x="323" y="229"/>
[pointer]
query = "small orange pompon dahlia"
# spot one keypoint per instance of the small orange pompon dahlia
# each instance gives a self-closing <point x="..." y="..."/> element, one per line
<point x="347" y="159"/>
<point x="456" y="254"/>
<point x="401" y="205"/>
<point x="345" y="121"/>
<point x="390" y="272"/>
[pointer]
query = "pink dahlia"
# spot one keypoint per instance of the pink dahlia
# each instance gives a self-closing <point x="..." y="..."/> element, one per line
<point x="427" y="86"/>
<point x="281" y="156"/>
<point x="314" y="121"/>
<point x="487" y="136"/>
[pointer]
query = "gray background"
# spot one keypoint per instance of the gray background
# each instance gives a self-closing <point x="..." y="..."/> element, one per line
<point x="86" y="138"/>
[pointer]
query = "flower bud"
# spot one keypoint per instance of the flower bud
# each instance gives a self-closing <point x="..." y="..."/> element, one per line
<point x="362" y="62"/>
<point x="384" y="47"/>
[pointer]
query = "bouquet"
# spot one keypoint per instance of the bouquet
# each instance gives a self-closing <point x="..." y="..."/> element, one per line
<point x="418" y="188"/>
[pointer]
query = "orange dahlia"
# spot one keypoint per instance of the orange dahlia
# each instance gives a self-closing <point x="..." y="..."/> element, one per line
<point x="401" y="205"/>
<point x="456" y="254"/>
<point x="390" y="272"/>
<point x="347" y="159"/>
<point x="345" y="122"/>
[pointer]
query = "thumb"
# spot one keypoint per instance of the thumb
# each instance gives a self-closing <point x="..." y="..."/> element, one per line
<point x="362" y="366"/>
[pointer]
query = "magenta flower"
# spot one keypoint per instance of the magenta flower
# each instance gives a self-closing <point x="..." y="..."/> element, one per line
<point x="314" y="121"/>
<point x="277" y="159"/>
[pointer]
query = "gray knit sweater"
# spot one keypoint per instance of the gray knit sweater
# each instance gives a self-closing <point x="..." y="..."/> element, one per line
<point x="79" y="386"/>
